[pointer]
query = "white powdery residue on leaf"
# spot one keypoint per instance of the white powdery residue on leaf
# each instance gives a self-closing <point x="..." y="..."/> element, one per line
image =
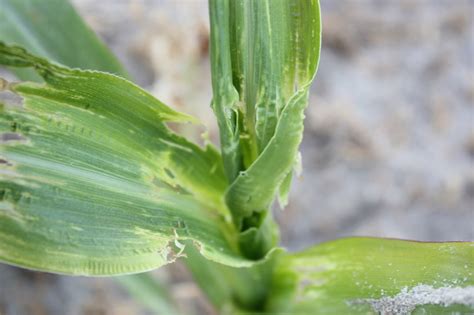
<point x="408" y="299"/>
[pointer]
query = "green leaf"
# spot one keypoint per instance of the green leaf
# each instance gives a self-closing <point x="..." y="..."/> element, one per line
<point x="98" y="185"/>
<point x="268" y="52"/>
<point x="263" y="53"/>
<point x="264" y="57"/>
<point x="369" y="275"/>
<point x="149" y="292"/>
<point x="225" y="96"/>
<point x="52" y="29"/>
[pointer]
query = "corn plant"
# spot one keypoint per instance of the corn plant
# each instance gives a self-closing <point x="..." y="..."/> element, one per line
<point x="94" y="183"/>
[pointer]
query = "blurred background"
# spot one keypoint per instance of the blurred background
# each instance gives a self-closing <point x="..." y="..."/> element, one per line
<point x="388" y="148"/>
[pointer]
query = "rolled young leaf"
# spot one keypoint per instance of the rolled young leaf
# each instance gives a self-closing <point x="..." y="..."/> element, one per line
<point x="52" y="29"/>
<point x="375" y="276"/>
<point x="265" y="55"/>
<point x="97" y="184"/>
<point x="278" y="66"/>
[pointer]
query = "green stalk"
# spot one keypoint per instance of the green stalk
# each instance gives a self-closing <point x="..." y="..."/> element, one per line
<point x="232" y="290"/>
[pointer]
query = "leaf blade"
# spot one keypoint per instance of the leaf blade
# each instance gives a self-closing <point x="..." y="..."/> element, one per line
<point x="100" y="186"/>
<point x="45" y="26"/>
<point x="345" y="275"/>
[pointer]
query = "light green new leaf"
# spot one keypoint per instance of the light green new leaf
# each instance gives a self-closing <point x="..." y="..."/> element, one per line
<point x="265" y="54"/>
<point x="52" y="29"/>
<point x="98" y="184"/>
<point x="371" y="276"/>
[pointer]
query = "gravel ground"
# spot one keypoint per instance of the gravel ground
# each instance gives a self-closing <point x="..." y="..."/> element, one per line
<point x="389" y="139"/>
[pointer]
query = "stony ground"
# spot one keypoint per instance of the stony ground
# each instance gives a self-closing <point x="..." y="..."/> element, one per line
<point x="389" y="141"/>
